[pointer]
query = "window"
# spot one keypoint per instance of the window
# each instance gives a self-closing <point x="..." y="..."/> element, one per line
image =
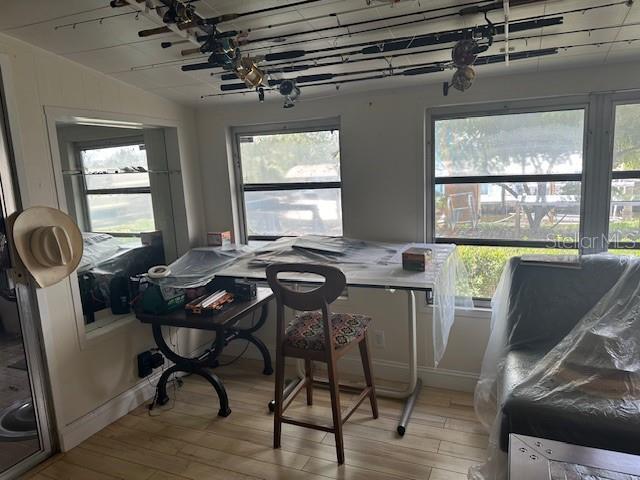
<point x="117" y="190"/>
<point x="624" y="213"/>
<point x="507" y="184"/>
<point x="290" y="182"/>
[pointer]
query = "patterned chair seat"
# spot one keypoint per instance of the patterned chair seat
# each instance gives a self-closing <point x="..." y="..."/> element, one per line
<point x="306" y="331"/>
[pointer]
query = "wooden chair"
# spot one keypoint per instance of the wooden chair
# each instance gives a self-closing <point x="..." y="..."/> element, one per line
<point x="316" y="335"/>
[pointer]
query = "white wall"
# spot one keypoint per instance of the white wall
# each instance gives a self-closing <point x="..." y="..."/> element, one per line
<point x="383" y="178"/>
<point x="84" y="379"/>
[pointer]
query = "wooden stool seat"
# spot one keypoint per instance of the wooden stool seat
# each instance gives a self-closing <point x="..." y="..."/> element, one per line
<point x="306" y="331"/>
<point x="316" y="335"/>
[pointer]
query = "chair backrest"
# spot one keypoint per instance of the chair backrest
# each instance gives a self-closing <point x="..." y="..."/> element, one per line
<point x="316" y="299"/>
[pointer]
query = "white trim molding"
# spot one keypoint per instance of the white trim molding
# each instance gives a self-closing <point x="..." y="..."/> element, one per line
<point x="79" y="430"/>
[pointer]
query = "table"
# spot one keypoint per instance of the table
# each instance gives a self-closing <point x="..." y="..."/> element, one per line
<point x="532" y="458"/>
<point x="224" y="324"/>
<point x="366" y="265"/>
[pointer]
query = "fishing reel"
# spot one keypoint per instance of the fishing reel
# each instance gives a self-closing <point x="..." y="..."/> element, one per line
<point x="465" y="53"/>
<point x="290" y="91"/>
<point x="462" y="80"/>
<point x="179" y="12"/>
<point x="247" y="71"/>
<point x="224" y="50"/>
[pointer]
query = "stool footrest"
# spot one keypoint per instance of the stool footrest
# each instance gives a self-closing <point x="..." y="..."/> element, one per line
<point x="363" y="395"/>
<point x="315" y="426"/>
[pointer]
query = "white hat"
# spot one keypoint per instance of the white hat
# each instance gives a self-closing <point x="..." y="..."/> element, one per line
<point x="49" y="244"/>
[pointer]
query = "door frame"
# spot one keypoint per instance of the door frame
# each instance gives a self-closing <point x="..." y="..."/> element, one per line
<point x="26" y="303"/>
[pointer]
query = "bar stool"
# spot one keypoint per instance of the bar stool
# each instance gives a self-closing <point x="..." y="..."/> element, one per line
<point x="316" y="335"/>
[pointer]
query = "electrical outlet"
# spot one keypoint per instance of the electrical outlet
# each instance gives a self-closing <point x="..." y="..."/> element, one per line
<point x="147" y="361"/>
<point x="379" y="338"/>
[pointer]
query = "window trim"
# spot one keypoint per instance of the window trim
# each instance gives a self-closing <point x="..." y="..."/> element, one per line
<point x="587" y="103"/>
<point x="274" y="129"/>
<point x="125" y="141"/>
<point x="578" y="102"/>
<point x="612" y="102"/>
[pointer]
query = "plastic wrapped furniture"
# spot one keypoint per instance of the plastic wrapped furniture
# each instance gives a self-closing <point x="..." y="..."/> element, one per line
<point x="563" y="361"/>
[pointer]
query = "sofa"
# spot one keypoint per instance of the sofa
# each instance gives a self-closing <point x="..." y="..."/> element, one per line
<point x="544" y="304"/>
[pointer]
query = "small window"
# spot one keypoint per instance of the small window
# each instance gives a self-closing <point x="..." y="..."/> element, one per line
<point x="624" y="209"/>
<point x="117" y="190"/>
<point x="291" y="183"/>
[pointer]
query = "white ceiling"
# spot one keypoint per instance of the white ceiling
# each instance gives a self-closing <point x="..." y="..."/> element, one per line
<point x="112" y="45"/>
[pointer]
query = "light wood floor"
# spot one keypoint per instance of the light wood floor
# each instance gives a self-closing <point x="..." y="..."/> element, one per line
<point x="187" y="440"/>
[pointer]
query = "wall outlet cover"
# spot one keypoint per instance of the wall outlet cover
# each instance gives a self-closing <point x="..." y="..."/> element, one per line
<point x="147" y="361"/>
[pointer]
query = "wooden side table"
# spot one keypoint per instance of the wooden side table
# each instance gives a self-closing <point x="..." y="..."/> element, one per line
<point x="224" y="324"/>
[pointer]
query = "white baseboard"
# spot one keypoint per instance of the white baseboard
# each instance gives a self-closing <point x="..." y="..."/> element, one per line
<point x="76" y="432"/>
<point x="79" y="430"/>
<point x="84" y="427"/>
<point x="395" y="371"/>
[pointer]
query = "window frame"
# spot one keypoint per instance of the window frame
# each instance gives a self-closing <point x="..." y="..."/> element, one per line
<point x="612" y="102"/>
<point x="502" y="108"/>
<point x="79" y="147"/>
<point x="332" y="124"/>
<point x="592" y="107"/>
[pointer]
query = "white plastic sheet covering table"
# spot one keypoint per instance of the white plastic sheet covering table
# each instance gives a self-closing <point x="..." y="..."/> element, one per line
<point x="365" y="264"/>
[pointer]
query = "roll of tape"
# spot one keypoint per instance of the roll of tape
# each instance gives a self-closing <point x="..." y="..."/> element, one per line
<point x="159" y="271"/>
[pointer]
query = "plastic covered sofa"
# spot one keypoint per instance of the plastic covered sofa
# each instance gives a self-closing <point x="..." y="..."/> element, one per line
<point x="545" y="309"/>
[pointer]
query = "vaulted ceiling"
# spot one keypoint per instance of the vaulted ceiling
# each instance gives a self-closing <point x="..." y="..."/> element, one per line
<point x="91" y="32"/>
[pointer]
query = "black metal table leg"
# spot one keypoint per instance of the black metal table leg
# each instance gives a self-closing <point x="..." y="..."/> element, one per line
<point x="266" y="356"/>
<point x="247" y="334"/>
<point x="409" y="404"/>
<point x="187" y="365"/>
<point x="217" y="384"/>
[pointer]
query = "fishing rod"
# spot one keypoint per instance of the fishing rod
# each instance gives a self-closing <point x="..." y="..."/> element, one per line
<point x="343" y="54"/>
<point x="469" y="8"/>
<point x="414" y="71"/>
<point x="334" y="15"/>
<point x="116" y="4"/>
<point x="479" y="61"/>
<point x="409" y="42"/>
<point x="309" y="66"/>
<point x="437" y="66"/>
<point x="416" y="41"/>
<point x="412" y="22"/>
<point x="212" y="21"/>
<point x="93" y="20"/>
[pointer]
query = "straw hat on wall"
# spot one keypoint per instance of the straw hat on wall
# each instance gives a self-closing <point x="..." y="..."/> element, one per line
<point x="48" y="242"/>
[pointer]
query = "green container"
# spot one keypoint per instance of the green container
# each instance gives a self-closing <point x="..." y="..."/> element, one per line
<point x="157" y="300"/>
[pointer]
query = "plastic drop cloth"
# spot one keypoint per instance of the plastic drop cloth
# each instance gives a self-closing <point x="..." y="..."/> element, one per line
<point x="103" y="258"/>
<point x="593" y="370"/>
<point x="373" y="265"/>
<point x="199" y="266"/>
<point x="364" y="263"/>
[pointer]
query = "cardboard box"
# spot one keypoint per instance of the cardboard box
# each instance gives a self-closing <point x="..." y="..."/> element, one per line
<point x="415" y="259"/>
<point x="218" y="239"/>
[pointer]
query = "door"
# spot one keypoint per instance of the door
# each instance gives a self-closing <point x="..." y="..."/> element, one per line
<point x="24" y="426"/>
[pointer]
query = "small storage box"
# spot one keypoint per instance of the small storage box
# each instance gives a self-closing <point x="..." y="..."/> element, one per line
<point x="415" y="259"/>
<point x="218" y="239"/>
